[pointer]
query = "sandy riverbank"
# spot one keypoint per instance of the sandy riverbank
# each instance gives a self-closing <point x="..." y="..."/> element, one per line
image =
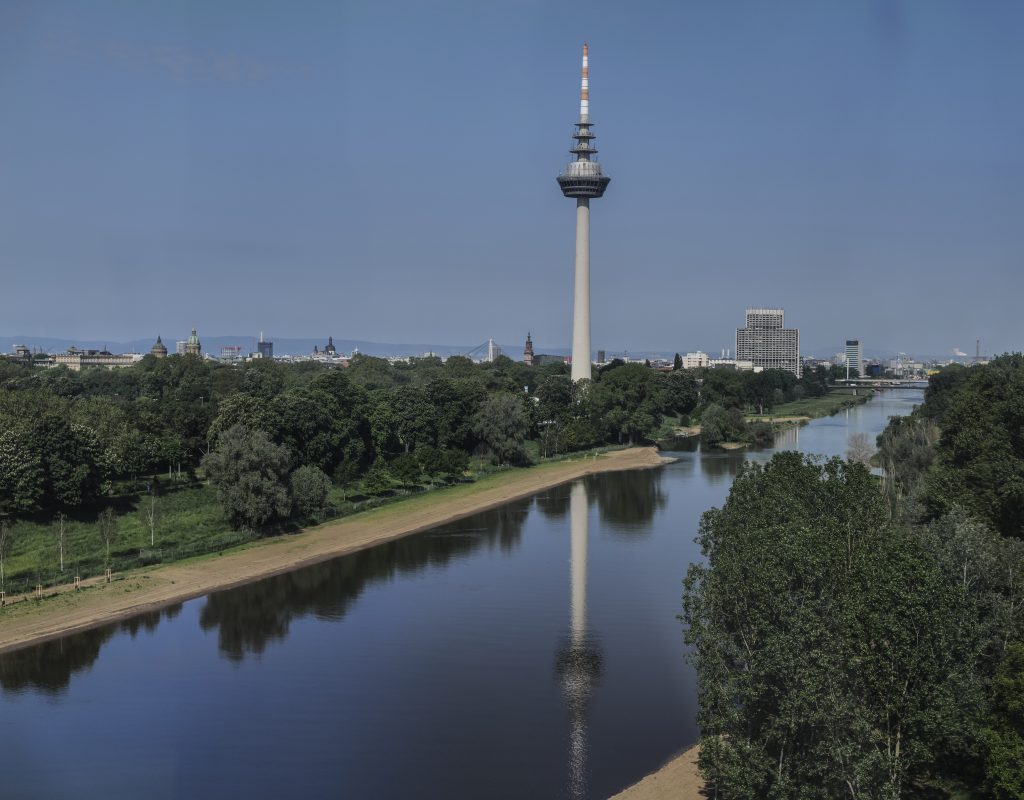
<point x="679" y="779"/>
<point x="29" y="622"/>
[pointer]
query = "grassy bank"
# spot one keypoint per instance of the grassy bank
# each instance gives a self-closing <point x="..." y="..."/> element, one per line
<point x="189" y="522"/>
<point x="61" y="610"/>
<point x="836" y="400"/>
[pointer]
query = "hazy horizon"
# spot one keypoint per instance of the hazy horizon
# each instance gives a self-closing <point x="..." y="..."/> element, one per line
<point x="333" y="167"/>
<point x="300" y="345"/>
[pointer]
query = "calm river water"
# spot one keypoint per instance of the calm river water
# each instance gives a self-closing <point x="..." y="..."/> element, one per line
<point x="531" y="651"/>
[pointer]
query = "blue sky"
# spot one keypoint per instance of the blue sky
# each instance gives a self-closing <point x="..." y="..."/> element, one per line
<point x="385" y="171"/>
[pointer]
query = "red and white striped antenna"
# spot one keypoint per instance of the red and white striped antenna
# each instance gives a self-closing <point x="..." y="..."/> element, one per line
<point x="585" y="87"/>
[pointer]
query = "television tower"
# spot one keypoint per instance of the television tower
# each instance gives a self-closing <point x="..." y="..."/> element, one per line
<point x="583" y="180"/>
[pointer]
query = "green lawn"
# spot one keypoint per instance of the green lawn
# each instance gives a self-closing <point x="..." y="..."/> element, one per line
<point x="190" y="522"/>
<point x="835" y="400"/>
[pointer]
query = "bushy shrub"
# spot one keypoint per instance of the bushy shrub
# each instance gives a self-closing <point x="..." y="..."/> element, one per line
<point x="310" y="487"/>
<point x="406" y="469"/>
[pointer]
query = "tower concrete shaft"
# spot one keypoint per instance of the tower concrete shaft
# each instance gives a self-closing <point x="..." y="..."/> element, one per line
<point x="583" y="180"/>
<point x="581" y="296"/>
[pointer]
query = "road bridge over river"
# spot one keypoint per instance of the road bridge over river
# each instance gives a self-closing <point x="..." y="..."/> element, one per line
<point x="886" y="383"/>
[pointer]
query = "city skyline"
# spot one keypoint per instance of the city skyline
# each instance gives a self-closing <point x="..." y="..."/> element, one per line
<point x="301" y="345"/>
<point x="294" y="345"/>
<point x="189" y="165"/>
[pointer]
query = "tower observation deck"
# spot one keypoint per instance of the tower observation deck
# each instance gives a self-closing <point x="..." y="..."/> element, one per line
<point x="583" y="177"/>
<point x="583" y="180"/>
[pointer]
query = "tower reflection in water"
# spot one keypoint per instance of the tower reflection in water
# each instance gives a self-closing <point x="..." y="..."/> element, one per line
<point x="788" y="438"/>
<point x="579" y="662"/>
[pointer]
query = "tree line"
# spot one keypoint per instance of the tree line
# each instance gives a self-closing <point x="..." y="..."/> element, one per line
<point x="284" y="444"/>
<point x="863" y="637"/>
<point x="275" y="437"/>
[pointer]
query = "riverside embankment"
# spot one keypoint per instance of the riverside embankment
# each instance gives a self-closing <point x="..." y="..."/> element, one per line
<point x="542" y="631"/>
<point x="98" y="602"/>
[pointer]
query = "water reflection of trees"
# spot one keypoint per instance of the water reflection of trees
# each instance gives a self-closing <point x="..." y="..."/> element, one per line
<point x="249" y="617"/>
<point x="49" y="667"/>
<point x="554" y="503"/>
<point x="682" y="444"/>
<point x="628" y="498"/>
<point x="723" y="466"/>
<point x="788" y="438"/>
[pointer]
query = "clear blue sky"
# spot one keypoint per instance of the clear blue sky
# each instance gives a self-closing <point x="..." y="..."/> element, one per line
<point x="385" y="171"/>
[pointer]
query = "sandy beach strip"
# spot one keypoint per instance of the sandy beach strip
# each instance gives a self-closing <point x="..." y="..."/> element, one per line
<point x="679" y="779"/>
<point x="151" y="588"/>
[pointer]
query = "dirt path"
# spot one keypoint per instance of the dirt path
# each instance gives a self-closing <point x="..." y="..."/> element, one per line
<point x="679" y="779"/>
<point x="32" y="621"/>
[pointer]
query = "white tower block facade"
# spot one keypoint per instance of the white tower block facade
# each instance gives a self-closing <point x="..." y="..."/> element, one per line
<point x="583" y="180"/>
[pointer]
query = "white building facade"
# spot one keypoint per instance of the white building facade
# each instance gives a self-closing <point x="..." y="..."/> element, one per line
<point x="767" y="343"/>
<point x="696" y="360"/>
<point x="854" y="358"/>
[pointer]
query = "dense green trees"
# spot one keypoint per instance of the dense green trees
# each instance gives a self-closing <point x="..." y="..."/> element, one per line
<point x="502" y="423"/>
<point x="906" y="449"/>
<point x="832" y="651"/>
<point x="46" y="461"/>
<point x="760" y="391"/>
<point x="5" y="544"/>
<point x="964" y="448"/>
<point x="863" y="638"/>
<point x="979" y="460"/>
<point x="1004" y="735"/>
<point x="250" y="473"/>
<point x="718" y="424"/>
<point x="629" y="398"/>
<point x="70" y="440"/>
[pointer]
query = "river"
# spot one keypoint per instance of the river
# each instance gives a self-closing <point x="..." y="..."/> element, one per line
<point x="528" y="651"/>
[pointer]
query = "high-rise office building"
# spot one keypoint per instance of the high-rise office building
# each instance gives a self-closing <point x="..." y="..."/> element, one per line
<point x="767" y="343"/>
<point x="854" y="358"/>
<point x="264" y="348"/>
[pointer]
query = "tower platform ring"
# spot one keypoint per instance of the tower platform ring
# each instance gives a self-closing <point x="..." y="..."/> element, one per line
<point x="583" y="185"/>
